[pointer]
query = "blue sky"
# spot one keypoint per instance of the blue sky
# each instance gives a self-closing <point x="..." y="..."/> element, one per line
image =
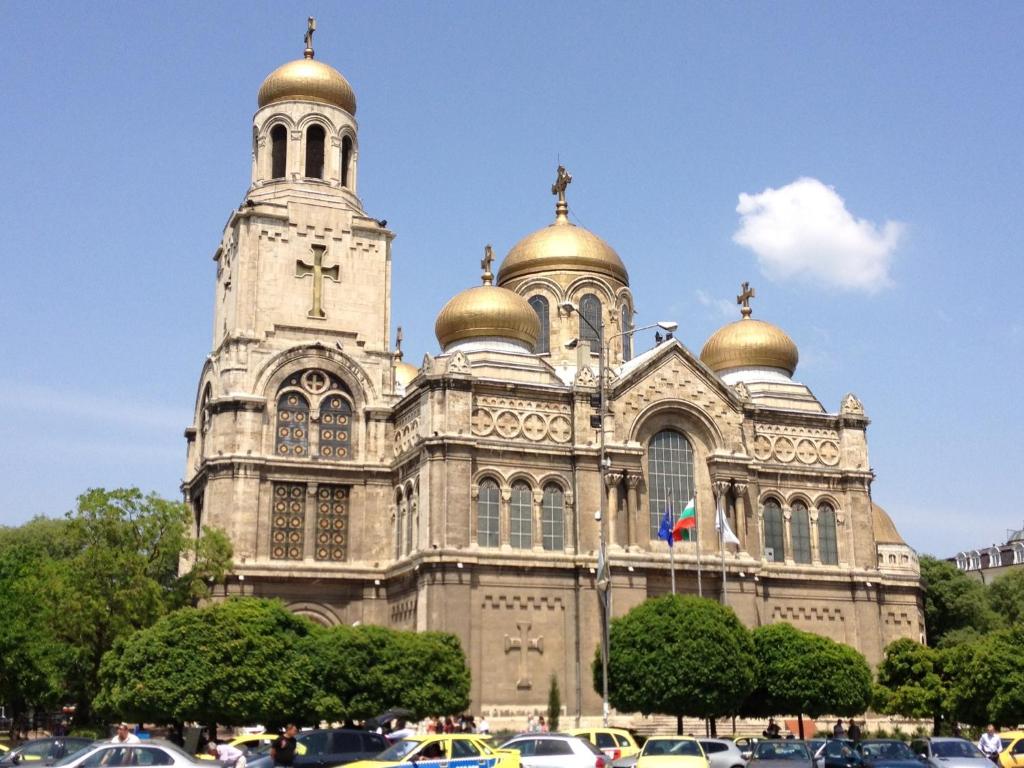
<point x="893" y="127"/>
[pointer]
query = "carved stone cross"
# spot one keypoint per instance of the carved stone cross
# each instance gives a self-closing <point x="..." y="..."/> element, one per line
<point x="747" y="293"/>
<point x="524" y="644"/>
<point x="318" y="271"/>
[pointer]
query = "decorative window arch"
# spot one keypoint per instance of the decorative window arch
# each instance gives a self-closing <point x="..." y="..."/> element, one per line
<point x="627" y="336"/>
<point x="278" y="151"/>
<point x="828" y="547"/>
<point x="542" y="308"/>
<point x="669" y="475"/>
<point x="590" y="315"/>
<point x="774" y="532"/>
<point x="800" y="532"/>
<point x="335" y="426"/>
<point x="487" y="514"/>
<point x="520" y="510"/>
<point x="315" y="137"/>
<point x="553" y="517"/>
<point x="329" y="435"/>
<point x="292" y="425"/>
<point x="346" y="161"/>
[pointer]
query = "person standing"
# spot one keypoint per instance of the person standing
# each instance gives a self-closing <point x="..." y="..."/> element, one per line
<point x="282" y="751"/>
<point x="229" y="756"/>
<point x="990" y="743"/>
<point x="124" y="735"/>
<point x="853" y="732"/>
<point x="484" y="725"/>
<point x="838" y="732"/>
<point x="772" y="731"/>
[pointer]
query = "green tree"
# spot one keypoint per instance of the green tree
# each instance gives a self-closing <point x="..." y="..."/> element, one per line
<point x="910" y="683"/>
<point x="1006" y="596"/>
<point x="678" y="656"/>
<point x="803" y="673"/>
<point x="952" y="600"/>
<point x="239" y="661"/>
<point x="554" y="704"/>
<point x="987" y="679"/>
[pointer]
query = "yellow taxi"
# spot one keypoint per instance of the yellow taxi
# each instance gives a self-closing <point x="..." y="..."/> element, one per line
<point x="614" y="742"/>
<point x="252" y="745"/>
<point x="452" y="750"/>
<point x="1012" y="753"/>
<point x="672" y="752"/>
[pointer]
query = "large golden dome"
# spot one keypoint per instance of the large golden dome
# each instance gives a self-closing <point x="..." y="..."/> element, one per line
<point x="750" y="343"/>
<point x="487" y="311"/>
<point x="308" y="80"/>
<point x="562" y="246"/>
<point x="405" y="373"/>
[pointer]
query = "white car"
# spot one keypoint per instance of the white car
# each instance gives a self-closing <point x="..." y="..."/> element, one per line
<point x="107" y="754"/>
<point x="555" y="750"/>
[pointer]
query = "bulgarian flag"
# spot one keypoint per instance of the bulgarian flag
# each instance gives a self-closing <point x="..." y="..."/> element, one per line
<point x="687" y="520"/>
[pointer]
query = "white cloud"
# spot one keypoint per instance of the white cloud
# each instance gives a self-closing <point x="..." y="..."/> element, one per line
<point x="722" y="307"/>
<point x="803" y="230"/>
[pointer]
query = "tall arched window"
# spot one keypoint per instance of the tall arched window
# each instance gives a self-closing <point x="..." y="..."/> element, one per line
<point x="315" y="152"/>
<point x="399" y="525"/>
<point x="346" y="161"/>
<point x="487" y="514"/>
<point x="292" y="425"/>
<point x="800" y="531"/>
<point x="521" y="516"/>
<point x="335" y="427"/>
<point x="627" y="337"/>
<point x="828" y="548"/>
<point x="590" y="320"/>
<point x="410" y="526"/>
<point x="278" y="151"/>
<point x="669" y="475"/>
<point x="540" y="306"/>
<point x="774" y="534"/>
<point x="553" y="518"/>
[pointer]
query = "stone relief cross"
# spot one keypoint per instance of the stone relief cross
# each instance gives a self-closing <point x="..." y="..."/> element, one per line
<point x="524" y="644"/>
<point x="318" y="271"/>
<point x="747" y="293"/>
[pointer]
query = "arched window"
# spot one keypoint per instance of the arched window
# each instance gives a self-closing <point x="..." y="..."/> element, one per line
<point x="800" y="531"/>
<point x="292" y="425"/>
<point x="627" y="337"/>
<point x="553" y="518"/>
<point x="410" y="524"/>
<point x="828" y="549"/>
<point x="335" y="427"/>
<point x="278" y="151"/>
<point x="346" y="161"/>
<point x="399" y="524"/>
<point x="315" y="152"/>
<point x="540" y="306"/>
<point x="487" y="514"/>
<point x="521" y="517"/>
<point x="590" y="320"/>
<point x="669" y="475"/>
<point x="774" y="535"/>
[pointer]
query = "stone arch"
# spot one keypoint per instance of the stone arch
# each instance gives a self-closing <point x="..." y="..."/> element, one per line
<point x="316" y="612"/>
<point x="278" y="368"/>
<point x="678" y="414"/>
<point x="591" y="284"/>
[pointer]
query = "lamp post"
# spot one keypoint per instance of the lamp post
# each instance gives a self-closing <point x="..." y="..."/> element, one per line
<point x="604" y="590"/>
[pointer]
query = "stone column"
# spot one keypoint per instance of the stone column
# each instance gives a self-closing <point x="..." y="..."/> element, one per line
<point x="569" y="523"/>
<point x="538" y="524"/>
<point x="612" y="480"/>
<point x="504" y="521"/>
<point x="634" y="530"/>
<point x="787" y="537"/>
<point x="309" y="524"/>
<point x="739" y="490"/>
<point x="721" y="490"/>
<point x="812" y="517"/>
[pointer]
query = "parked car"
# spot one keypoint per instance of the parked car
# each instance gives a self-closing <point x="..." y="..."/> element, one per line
<point x="887" y="753"/>
<point x="616" y="743"/>
<point x="555" y="750"/>
<point x="152" y="752"/>
<point x="838" y="753"/>
<point x="781" y="753"/>
<point x="442" y="750"/>
<point x="1012" y="754"/>
<point x="672" y="752"/>
<point x="746" y="745"/>
<point x="43" y="751"/>
<point x="722" y="753"/>
<point x="949" y="752"/>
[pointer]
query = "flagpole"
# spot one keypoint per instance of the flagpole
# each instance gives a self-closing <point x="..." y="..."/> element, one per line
<point x="671" y="548"/>
<point x="696" y="534"/>
<point x="721" y="542"/>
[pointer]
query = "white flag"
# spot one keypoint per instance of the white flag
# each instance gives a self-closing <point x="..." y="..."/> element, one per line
<point x="722" y="526"/>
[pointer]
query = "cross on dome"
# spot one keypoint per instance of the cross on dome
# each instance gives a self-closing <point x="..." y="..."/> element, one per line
<point x="563" y="180"/>
<point x="485" y="264"/>
<point x="747" y="293"/>
<point x="310" y="29"/>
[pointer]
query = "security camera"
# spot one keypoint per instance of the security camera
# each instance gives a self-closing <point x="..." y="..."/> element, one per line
<point x="597" y="515"/>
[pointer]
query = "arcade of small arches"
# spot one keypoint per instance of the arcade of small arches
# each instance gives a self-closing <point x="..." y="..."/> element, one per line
<point x="591" y="310"/>
<point x="522" y="514"/>
<point x="303" y="151"/>
<point x="313" y="417"/>
<point x="796" y="532"/>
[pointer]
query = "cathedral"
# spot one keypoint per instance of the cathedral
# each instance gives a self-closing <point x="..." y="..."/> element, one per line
<point x="475" y="490"/>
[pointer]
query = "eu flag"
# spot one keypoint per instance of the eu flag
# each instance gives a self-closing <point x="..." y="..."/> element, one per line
<point x="665" y="531"/>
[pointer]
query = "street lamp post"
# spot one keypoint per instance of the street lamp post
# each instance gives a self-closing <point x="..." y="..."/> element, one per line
<point x="604" y="582"/>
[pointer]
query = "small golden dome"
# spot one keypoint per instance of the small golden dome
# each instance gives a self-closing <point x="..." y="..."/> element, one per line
<point x="562" y="246"/>
<point x="487" y="311"/>
<point x="405" y="373"/>
<point x="308" y="80"/>
<point x="885" y="528"/>
<point x="749" y="343"/>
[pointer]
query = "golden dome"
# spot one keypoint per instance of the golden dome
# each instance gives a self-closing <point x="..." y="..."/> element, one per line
<point x="308" y="80"/>
<point x="885" y="529"/>
<point x="405" y="373"/>
<point x="750" y="343"/>
<point x="562" y="246"/>
<point x="487" y="311"/>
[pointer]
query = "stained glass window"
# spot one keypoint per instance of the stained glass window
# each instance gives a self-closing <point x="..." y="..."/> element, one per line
<point x="292" y="425"/>
<point x="828" y="549"/>
<point x="521" y="517"/>
<point x="287" y="521"/>
<point x="774" y="534"/>
<point x="627" y="337"/>
<point x="487" y="506"/>
<point x="590" y="312"/>
<point x="553" y="518"/>
<point x="800" y="532"/>
<point x="540" y="306"/>
<point x="331" y="522"/>
<point x="335" y="427"/>
<point x="669" y="476"/>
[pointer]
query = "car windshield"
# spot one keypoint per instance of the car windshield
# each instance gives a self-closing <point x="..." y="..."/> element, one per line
<point x="683" y="747"/>
<point x="781" y="750"/>
<point x="955" y="749"/>
<point x="74" y="755"/>
<point x="886" y="750"/>
<point x="398" y="751"/>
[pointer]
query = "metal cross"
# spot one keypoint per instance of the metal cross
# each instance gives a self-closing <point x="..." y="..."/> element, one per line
<point x="524" y="644"/>
<point x="744" y="298"/>
<point x="564" y="180"/>
<point x="399" y="336"/>
<point x="485" y="264"/>
<point x="318" y="272"/>
<point x="310" y="29"/>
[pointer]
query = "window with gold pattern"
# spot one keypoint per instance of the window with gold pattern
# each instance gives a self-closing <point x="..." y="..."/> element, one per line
<point x="292" y="425"/>
<point x="335" y="427"/>
<point x="331" y="522"/>
<point x="314" y="417"/>
<point x="288" y="521"/>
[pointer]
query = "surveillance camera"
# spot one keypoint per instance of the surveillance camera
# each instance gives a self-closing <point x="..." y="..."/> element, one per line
<point x="597" y="515"/>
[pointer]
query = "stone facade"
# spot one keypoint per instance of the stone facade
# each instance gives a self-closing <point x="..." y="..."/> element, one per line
<point x="356" y="496"/>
